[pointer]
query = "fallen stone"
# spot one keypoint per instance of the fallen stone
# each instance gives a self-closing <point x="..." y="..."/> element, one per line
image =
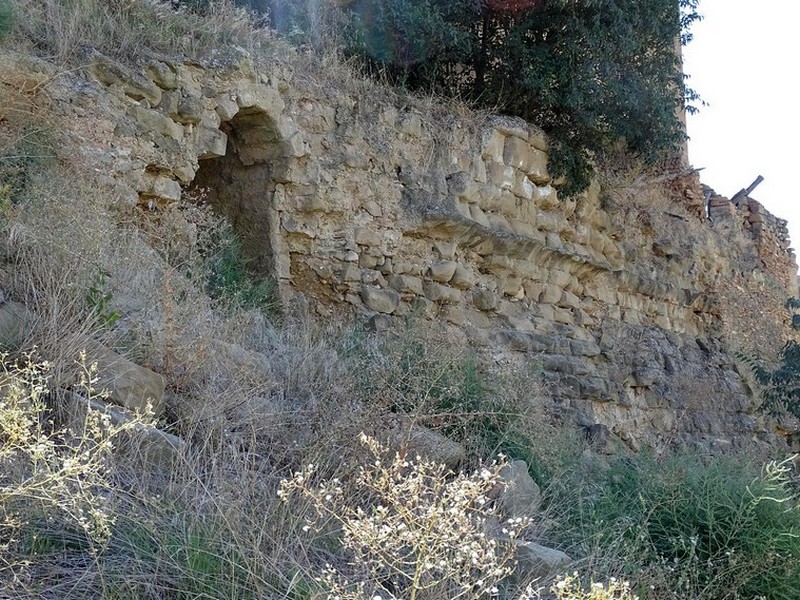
<point x="152" y="446"/>
<point x="412" y="440"/>
<point x="521" y="496"/>
<point x="535" y="561"/>
<point x="14" y="321"/>
<point x="128" y="385"/>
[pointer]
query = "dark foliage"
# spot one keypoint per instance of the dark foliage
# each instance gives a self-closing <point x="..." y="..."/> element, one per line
<point x="782" y="384"/>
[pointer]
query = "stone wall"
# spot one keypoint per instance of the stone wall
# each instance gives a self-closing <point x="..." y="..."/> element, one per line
<point x="769" y="233"/>
<point x="362" y="202"/>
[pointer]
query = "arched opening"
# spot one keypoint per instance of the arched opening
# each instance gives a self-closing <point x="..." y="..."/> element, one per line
<point x="240" y="185"/>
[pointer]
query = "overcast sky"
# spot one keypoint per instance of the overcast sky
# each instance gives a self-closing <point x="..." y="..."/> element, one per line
<point x="745" y="62"/>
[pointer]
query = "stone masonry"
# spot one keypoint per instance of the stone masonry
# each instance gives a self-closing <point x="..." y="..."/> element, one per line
<point x="362" y="203"/>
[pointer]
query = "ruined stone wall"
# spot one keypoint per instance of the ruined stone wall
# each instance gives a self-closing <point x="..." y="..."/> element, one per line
<point x="769" y="233"/>
<point x="361" y="202"/>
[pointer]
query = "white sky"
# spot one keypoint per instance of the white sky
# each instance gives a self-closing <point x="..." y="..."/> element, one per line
<point x="745" y="62"/>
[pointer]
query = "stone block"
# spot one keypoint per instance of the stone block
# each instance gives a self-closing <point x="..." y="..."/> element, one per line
<point x="477" y="215"/>
<point x="546" y="311"/>
<point x="368" y="237"/>
<point x="551" y="294"/>
<point x="515" y="340"/>
<point x="152" y="120"/>
<point x="537" y="138"/>
<point x="454" y="315"/>
<point x="227" y="107"/>
<point x="368" y="261"/>
<point x="462" y="185"/>
<point x="533" y="289"/>
<point x="565" y="364"/>
<point x="379" y="300"/>
<point x="537" y="167"/>
<point x="523" y="187"/>
<point x="14" y="321"/>
<point x="169" y="103"/>
<point x="477" y="170"/>
<point x="442" y="271"/>
<point x="545" y="197"/>
<point x="563" y="315"/>
<point x="510" y="125"/>
<point x="535" y="561"/>
<point x="569" y="300"/>
<point x="492" y="143"/>
<point x="131" y="84"/>
<point x="350" y="272"/>
<point x="403" y="436"/>
<point x="446" y="248"/>
<point x="512" y="286"/>
<point x="499" y="222"/>
<point x="501" y="176"/>
<point x="128" y="385"/>
<point x="373" y="277"/>
<point x="162" y="74"/>
<point x="441" y="294"/>
<point x="260" y="98"/>
<point x="584" y="348"/>
<point x="521" y="496"/>
<point x="189" y="110"/>
<point x="210" y="143"/>
<point x="554" y="241"/>
<point x="558" y="278"/>
<point x="517" y="153"/>
<point x="406" y="284"/>
<point x="161" y="187"/>
<point x="484" y="300"/>
<point x="463" y="278"/>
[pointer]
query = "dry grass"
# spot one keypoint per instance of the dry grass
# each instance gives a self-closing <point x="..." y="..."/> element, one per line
<point x="130" y="30"/>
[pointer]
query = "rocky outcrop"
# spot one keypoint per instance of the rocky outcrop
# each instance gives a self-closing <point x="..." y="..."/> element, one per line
<point x="364" y="204"/>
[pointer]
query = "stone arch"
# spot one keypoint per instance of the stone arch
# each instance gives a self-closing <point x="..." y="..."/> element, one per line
<point x="241" y="183"/>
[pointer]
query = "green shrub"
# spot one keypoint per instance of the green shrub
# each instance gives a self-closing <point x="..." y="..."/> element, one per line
<point x="676" y="526"/>
<point x="230" y="282"/>
<point x="781" y="385"/>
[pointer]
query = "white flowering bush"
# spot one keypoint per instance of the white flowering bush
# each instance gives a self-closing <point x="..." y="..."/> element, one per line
<point x="569" y="587"/>
<point x="57" y="475"/>
<point x="417" y="533"/>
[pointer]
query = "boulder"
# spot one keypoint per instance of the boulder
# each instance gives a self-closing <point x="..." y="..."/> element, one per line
<point x="521" y="496"/>
<point x="402" y="435"/>
<point x="14" y="320"/>
<point x="146" y="443"/>
<point x="128" y="385"/>
<point x="535" y="561"/>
